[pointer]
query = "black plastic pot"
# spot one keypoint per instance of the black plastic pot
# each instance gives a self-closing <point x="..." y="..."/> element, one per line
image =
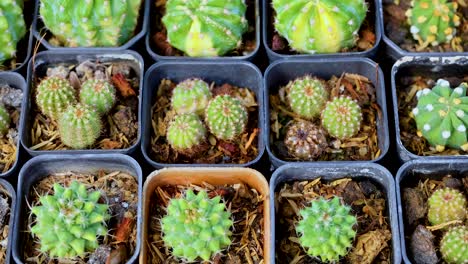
<point x="158" y="57"/>
<point x="435" y="67"/>
<point x="39" y="29"/>
<point x="280" y="73"/>
<point x="268" y="30"/>
<point x="40" y="167"/>
<point x="355" y="170"/>
<point x="38" y="66"/>
<point x="238" y="73"/>
<point x="12" y="196"/>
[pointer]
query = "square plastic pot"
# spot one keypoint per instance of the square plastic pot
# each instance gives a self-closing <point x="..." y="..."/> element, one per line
<point x="354" y="170"/>
<point x="38" y="66"/>
<point x="40" y="167"/>
<point x="12" y="195"/>
<point x="281" y="72"/>
<point x="434" y="67"/>
<point x="215" y="177"/>
<point x="238" y="73"/>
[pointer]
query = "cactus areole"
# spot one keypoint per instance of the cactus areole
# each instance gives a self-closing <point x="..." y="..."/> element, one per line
<point x="12" y="28"/>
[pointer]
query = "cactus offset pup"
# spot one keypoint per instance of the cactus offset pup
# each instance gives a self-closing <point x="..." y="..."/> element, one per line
<point x="98" y="94"/>
<point x="54" y="95"/>
<point x="12" y="27"/>
<point x="185" y="132"/>
<point x="446" y="205"/>
<point x="342" y="117"/>
<point x="307" y="96"/>
<point x="191" y="96"/>
<point x="226" y="117"/>
<point x="79" y="126"/>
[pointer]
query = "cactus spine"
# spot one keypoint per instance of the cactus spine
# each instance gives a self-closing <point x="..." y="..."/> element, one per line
<point x="226" y="117"/>
<point x="54" y="95"/>
<point x="12" y="27"/>
<point x="446" y="205"/>
<point x="307" y="96"/>
<point x="79" y="126"/>
<point x="342" y="117"/>
<point x="304" y="140"/>
<point x="185" y="132"/>
<point x="4" y="120"/>
<point x="191" y="96"/>
<point x="454" y="245"/>
<point x="98" y="94"/>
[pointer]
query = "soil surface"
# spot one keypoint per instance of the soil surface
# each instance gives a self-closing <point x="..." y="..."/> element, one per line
<point x="11" y="98"/>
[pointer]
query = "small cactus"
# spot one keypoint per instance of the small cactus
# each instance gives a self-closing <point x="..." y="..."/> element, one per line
<point x="54" y="95"/>
<point x="69" y="222"/>
<point x="12" y="27"/>
<point x="226" y="117"/>
<point x="191" y="96"/>
<point x="433" y="21"/>
<point x="326" y="229"/>
<point x="342" y="117"/>
<point x="98" y="94"/>
<point x="185" y="132"/>
<point x="4" y="120"/>
<point x="446" y="205"/>
<point x="304" y="140"/>
<point x="196" y="226"/>
<point x="454" y="245"/>
<point x="205" y="28"/>
<point x="79" y="126"/>
<point x="319" y="26"/>
<point x="307" y="96"/>
<point x="441" y="115"/>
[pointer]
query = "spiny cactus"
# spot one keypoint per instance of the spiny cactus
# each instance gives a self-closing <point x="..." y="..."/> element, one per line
<point x="79" y="126"/>
<point x="54" y="95"/>
<point x="226" y="117"/>
<point x="446" y="205"/>
<point x="454" y="245"/>
<point x="319" y="26"/>
<point x="196" y="226"/>
<point x="441" y="115"/>
<point x="191" y="96"/>
<point x="69" y="222"/>
<point x="4" y="120"/>
<point x="433" y="21"/>
<point x="185" y="132"/>
<point x="98" y="94"/>
<point x="307" y="96"/>
<point x="342" y="117"/>
<point x="304" y="140"/>
<point x="85" y="23"/>
<point x="326" y="229"/>
<point x="12" y="27"/>
<point x="205" y="28"/>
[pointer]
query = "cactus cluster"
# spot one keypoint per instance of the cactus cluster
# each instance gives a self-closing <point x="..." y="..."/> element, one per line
<point x="85" y="23"/>
<point x="454" y="245"/>
<point x="12" y="27"/>
<point x="191" y="96"/>
<point x="319" y="26"/>
<point x="185" y="132"/>
<point x="226" y="117"/>
<point x="4" y="120"/>
<point x="205" y="28"/>
<point x="98" y="94"/>
<point x="69" y="222"/>
<point x="307" y="96"/>
<point x="196" y="226"/>
<point x="54" y="95"/>
<point x="342" y="117"/>
<point x="304" y="140"/>
<point x="446" y="205"/>
<point x="326" y="229"/>
<point x="79" y="126"/>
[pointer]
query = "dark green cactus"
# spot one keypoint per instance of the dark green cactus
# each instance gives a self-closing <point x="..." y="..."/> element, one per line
<point x="12" y="28"/>
<point x="191" y="96"/>
<point x="54" y="95"/>
<point x="185" y="132"/>
<point x="307" y="96"/>
<point x="226" y="117"/>
<point x="4" y="120"/>
<point x="342" y="117"/>
<point x="79" y="126"/>
<point x="98" y="94"/>
<point x="454" y="245"/>
<point x="446" y="205"/>
<point x="304" y="140"/>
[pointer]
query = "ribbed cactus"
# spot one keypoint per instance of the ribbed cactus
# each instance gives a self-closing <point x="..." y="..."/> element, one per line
<point x="185" y="132"/>
<point x="326" y="229"/>
<point x="226" y="117"/>
<point x="441" y="115"/>
<point x="205" y="28"/>
<point x="12" y="27"/>
<point x="69" y="222"/>
<point x="87" y="23"/>
<point x="54" y="95"/>
<point x="98" y="94"/>
<point x="319" y="26"/>
<point x="4" y="120"/>
<point x="454" y="245"/>
<point x="304" y="140"/>
<point x="446" y="205"/>
<point x="196" y="226"/>
<point x="433" y="21"/>
<point x="342" y="117"/>
<point x="191" y="96"/>
<point x="79" y="126"/>
<point x="307" y="96"/>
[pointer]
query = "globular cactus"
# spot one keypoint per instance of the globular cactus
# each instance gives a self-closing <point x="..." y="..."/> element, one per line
<point x="441" y="115"/>
<point x="69" y="222"/>
<point x="319" y="26"/>
<point x="304" y="140"/>
<point x="185" y="132"/>
<point x="196" y="226"/>
<point x="79" y="126"/>
<point x="85" y="23"/>
<point x="307" y="96"/>
<point x="191" y="96"/>
<point x="4" y="120"/>
<point x="226" y="117"/>
<point x="433" y="21"/>
<point x="446" y="205"/>
<point x="454" y="245"/>
<point x="326" y="229"/>
<point x="98" y="94"/>
<point x="342" y="117"/>
<point x="205" y="28"/>
<point x="12" y="27"/>
<point x="54" y="95"/>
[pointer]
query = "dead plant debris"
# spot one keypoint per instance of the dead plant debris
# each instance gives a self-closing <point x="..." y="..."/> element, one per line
<point x="5" y="206"/>
<point x="11" y="98"/>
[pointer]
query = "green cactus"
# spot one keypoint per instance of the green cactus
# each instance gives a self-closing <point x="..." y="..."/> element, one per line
<point x="4" y="120"/>
<point x="342" y="117"/>
<point x="454" y="245"/>
<point x="79" y="126"/>
<point x="304" y="140"/>
<point x="69" y="222"/>
<point x="446" y="205"/>
<point x="205" y="28"/>
<point x="98" y="94"/>
<point x="441" y="115"/>
<point x="185" y="132"/>
<point x="85" y="23"/>
<point x="307" y="96"/>
<point x="433" y="21"/>
<point x="196" y="226"/>
<point x="191" y="96"/>
<point x="12" y="27"/>
<point x="226" y="117"/>
<point x="326" y="229"/>
<point x="319" y="26"/>
<point x="54" y="95"/>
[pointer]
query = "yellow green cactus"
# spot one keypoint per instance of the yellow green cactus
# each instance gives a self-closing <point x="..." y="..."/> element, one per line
<point x="12" y="28"/>
<point x="307" y="96"/>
